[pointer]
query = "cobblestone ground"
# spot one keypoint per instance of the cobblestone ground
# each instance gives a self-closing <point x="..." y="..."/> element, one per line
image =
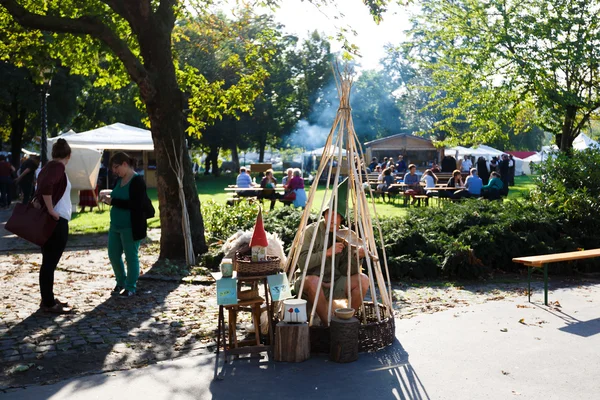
<point x="167" y="319"/>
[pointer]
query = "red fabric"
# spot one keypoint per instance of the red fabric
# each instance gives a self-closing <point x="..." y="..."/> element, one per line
<point x="5" y="169"/>
<point x="259" y="236"/>
<point x="521" y="154"/>
<point x="52" y="181"/>
<point x="296" y="183"/>
<point x="88" y="198"/>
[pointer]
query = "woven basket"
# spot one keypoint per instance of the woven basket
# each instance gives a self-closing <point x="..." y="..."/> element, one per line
<point x="247" y="294"/>
<point x="256" y="268"/>
<point x="372" y="336"/>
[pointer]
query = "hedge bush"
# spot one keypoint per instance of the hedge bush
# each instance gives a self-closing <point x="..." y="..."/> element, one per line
<point x="465" y="240"/>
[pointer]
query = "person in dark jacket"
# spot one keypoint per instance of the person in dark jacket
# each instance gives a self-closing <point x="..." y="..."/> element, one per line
<point x="26" y="177"/>
<point x="130" y="207"/>
<point x="54" y="192"/>
<point x="482" y="170"/>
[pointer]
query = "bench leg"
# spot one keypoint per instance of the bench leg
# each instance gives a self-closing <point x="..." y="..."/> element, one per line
<point x="529" y="284"/>
<point x="546" y="284"/>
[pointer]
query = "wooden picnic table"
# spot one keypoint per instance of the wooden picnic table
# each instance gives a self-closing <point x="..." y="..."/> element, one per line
<point x="544" y="260"/>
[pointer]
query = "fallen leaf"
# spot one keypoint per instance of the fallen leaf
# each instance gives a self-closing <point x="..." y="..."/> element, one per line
<point x="522" y="306"/>
<point x="522" y="321"/>
<point x="503" y="330"/>
<point x="505" y="373"/>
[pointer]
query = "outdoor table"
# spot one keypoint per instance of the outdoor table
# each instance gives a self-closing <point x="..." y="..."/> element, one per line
<point x="233" y="308"/>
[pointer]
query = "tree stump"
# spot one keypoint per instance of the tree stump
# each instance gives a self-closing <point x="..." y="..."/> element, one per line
<point x="344" y="340"/>
<point x="292" y="342"/>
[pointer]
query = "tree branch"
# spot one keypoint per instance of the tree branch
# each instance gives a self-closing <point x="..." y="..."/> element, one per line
<point x="86" y="25"/>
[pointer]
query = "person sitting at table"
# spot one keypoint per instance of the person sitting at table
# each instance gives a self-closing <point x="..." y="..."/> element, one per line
<point x="296" y="186"/>
<point x="473" y="185"/>
<point x="374" y="164"/>
<point x="268" y="184"/>
<point x="435" y="168"/>
<point x="493" y="189"/>
<point x="412" y="182"/>
<point x="430" y="181"/>
<point x="244" y="181"/>
<point x="289" y="174"/>
<point x="386" y="179"/>
<point x="454" y="182"/>
<point x="359" y="282"/>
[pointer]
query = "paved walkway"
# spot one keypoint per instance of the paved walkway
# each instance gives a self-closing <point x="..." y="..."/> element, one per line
<point x="495" y="350"/>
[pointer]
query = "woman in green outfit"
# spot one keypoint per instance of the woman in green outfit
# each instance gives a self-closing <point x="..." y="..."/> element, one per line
<point x="493" y="189"/>
<point x="130" y="207"/>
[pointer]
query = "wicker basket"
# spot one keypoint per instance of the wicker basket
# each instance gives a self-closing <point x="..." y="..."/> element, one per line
<point x="372" y="336"/>
<point x="256" y="268"/>
<point x="247" y="294"/>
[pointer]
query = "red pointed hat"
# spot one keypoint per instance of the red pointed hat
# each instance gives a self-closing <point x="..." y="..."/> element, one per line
<point x="259" y="237"/>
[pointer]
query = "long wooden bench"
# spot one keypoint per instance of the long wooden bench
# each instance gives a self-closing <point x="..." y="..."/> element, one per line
<point x="544" y="260"/>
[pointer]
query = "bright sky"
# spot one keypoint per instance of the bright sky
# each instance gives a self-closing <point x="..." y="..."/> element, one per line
<point x="301" y="17"/>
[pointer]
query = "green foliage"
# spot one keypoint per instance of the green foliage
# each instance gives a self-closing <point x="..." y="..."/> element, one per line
<point x="502" y="67"/>
<point x="221" y="220"/>
<point x="571" y="185"/>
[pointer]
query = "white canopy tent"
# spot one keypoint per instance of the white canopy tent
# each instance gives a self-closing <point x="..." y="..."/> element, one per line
<point x="112" y="137"/>
<point x="583" y="141"/>
<point x="117" y="136"/>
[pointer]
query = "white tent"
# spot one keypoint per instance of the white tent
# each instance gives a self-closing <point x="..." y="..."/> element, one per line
<point x="583" y="141"/>
<point x="83" y="167"/>
<point x="460" y="152"/>
<point x="116" y="137"/>
<point x="319" y="152"/>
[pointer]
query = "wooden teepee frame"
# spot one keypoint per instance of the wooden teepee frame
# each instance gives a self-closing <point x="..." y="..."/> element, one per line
<point x="342" y="135"/>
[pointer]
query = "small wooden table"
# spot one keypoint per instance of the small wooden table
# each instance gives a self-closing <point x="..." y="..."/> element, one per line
<point x="257" y="348"/>
<point x="544" y="260"/>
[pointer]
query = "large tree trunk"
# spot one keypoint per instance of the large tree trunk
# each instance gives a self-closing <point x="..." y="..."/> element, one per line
<point x="164" y="104"/>
<point x="568" y="129"/>
<point x="235" y="157"/>
<point x="214" y="159"/>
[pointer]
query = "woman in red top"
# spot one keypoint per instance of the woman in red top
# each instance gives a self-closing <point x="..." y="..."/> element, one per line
<point x="53" y="192"/>
<point x="6" y="171"/>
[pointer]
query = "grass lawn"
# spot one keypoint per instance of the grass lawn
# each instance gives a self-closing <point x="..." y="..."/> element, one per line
<point x="211" y="188"/>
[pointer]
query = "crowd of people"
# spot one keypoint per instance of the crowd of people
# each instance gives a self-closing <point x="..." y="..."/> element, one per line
<point x="478" y="183"/>
<point x="293" y="185"/>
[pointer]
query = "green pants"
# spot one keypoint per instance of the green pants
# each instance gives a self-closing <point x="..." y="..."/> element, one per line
<point x="121" y="241"/>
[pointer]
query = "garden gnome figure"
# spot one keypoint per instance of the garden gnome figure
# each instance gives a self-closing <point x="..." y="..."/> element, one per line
<point x="259" y="242"/>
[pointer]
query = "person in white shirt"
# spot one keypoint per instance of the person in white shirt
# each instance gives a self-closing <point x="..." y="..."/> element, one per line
<point x="466" y="164"/>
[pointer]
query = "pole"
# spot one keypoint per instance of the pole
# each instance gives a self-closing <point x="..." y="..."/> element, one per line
<point x="44" y="143"/>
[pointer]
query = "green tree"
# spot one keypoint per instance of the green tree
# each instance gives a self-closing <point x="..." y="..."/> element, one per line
<point x="511" y="64"/>
<point x="122" y="41"/>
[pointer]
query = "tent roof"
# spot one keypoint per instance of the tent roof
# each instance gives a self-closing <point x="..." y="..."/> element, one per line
<point x="402" y="141"/>
<point x="113" y="137"/>
<point x="583" y="141"/>
<point x="522" y="154"/>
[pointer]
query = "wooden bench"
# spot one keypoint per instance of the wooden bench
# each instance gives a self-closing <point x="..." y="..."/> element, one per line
<point x="420" y="197"/>
<point x="544" y="260"/>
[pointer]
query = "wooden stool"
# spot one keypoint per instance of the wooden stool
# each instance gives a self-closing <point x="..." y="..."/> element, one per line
<point x="252" y="306"/>
<point x="292" y="342"/>
<point x="344" y="340"/>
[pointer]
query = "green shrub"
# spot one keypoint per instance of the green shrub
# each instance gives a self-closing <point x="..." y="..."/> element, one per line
<point x="465" y="240"/>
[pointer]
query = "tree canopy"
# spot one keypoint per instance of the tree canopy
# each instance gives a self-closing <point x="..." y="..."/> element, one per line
<point x="510" y="64"/>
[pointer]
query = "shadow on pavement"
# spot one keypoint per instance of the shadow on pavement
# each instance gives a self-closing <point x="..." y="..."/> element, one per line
<point x="386" y="374"/>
